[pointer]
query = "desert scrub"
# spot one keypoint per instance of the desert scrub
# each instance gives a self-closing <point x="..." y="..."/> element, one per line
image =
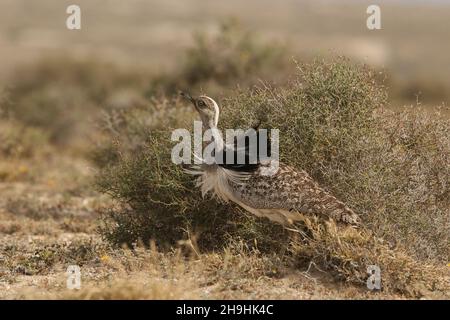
<point x="230" y="57"/>
<point x="19" y="141"/>
<point x="346" y="253"/>
<point x="409" y="182"/>
<point x="60" y="95"/>
<point x="158" y="201"/>
<point x="40" y="258"/>
<point x="392" y="168"/>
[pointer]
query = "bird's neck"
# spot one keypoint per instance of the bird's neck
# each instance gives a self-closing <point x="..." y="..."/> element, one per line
<point x="217" y="137"/>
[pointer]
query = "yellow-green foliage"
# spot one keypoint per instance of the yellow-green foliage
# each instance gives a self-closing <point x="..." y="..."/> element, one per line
<point x="392" y="168"/>
<point x="160" y="201"/>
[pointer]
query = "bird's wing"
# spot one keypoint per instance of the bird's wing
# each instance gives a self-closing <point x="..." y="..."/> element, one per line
<point x="289" y="192"/>
<point x="247" y="152"/>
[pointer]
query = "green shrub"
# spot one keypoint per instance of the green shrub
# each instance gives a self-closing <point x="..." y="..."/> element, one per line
<point x="159" y="201"/>
<point x="391" y="167"/>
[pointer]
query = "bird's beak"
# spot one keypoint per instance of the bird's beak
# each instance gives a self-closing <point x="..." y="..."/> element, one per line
<point x="187" y="96"/>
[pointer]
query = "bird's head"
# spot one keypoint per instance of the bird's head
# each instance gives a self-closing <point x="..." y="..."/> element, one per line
<point x="206" y="107"/>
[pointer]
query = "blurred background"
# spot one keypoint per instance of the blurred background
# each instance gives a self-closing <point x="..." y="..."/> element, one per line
<point x="412" y="46"/>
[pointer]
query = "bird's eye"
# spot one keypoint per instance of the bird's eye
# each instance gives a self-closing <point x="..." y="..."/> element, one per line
<point x="201" y="104"/>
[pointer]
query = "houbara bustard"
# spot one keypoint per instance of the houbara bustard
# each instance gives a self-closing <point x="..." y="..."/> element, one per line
<point x="284" y="196"/>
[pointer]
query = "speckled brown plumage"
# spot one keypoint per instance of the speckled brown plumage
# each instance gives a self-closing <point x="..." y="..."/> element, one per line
<point x="283" y="196"/>
<point x="287" y="194"/>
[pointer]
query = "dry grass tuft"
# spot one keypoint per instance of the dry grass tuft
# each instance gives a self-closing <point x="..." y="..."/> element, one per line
<point x="127" y="289"/>
<point x="347" y="253"/>
<point x="19" y="141"/>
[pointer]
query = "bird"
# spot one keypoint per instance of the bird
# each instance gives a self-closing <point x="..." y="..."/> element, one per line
<point x="285" y="196"/>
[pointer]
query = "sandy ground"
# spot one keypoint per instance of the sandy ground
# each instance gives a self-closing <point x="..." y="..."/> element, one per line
<point x="48" y="221"/>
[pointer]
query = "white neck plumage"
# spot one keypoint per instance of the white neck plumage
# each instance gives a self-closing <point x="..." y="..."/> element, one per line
<point x="216" y="134"/>
<point x="213" y="177"/>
